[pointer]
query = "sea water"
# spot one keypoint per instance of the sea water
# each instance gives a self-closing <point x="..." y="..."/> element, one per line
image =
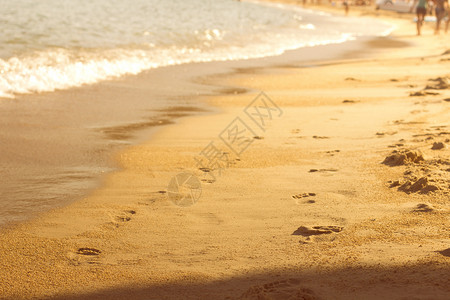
<point x="57" y="44"/>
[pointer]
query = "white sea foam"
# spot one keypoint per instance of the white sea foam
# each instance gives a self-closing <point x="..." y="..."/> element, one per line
<point x="79" y="45"/>
<point x="55" y="69"/>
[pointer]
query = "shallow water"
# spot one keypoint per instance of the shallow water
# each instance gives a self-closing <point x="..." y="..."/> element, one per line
<point x="56" y="44"/>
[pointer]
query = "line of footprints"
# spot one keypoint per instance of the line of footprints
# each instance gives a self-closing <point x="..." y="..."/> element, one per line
<point x="125" y="216"/>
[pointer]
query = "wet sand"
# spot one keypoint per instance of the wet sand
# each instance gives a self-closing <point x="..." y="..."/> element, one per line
<point x="326" y="201"/>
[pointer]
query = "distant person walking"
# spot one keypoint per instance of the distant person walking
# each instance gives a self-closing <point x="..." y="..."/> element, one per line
<point x="440" y="10"/>
<point x="421" y="12"/>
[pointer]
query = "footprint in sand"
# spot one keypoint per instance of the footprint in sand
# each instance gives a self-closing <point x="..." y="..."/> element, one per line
<point x="381" y="134"/>
<point x="422" y="93"/>
<point x="233" y="91"/>
<point x="423" y="207"/>
<point x="279" y="290"/>
<point x="403" y="122"/>
<point x="396" y="145"/>
<point x="317" y="230"/>
<point x="332" y="152"/>
<point x="350" y="101"/>
<point x="122" y="219"/>
<point x="88" y="251"/>
<point x="322" y="170"/>
<point x="208" y="177"/>
<point x="85" y="255"/>
<point x="125" y="216"/>
<point x="304" y="195"/>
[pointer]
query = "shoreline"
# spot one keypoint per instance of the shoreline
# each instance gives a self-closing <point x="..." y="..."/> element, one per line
<point x="52" y="176"/>
<point x="150" y="248"/>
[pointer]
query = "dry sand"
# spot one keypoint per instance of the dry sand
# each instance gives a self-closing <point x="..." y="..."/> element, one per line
<point x="340" y="195"/>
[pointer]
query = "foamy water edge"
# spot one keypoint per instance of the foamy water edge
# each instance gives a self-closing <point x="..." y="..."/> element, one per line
<point x="58" y="68"/>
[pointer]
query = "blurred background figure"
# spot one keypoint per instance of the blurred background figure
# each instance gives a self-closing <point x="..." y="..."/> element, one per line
<point x="421" y="11"/>
<point x="441" y="11"/>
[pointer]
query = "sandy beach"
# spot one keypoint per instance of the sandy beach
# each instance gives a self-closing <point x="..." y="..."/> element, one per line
<point x="337" y="187"/>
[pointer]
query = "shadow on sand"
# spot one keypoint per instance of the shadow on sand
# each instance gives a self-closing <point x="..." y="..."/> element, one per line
<point x="414" y="281"/>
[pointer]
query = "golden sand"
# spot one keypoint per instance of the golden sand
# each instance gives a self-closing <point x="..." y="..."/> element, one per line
<point x="307" y="211"/>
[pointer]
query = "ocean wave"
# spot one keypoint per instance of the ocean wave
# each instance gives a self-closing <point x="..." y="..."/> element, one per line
<point x="55" y="69"/>
<point x="85" y="57"/>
